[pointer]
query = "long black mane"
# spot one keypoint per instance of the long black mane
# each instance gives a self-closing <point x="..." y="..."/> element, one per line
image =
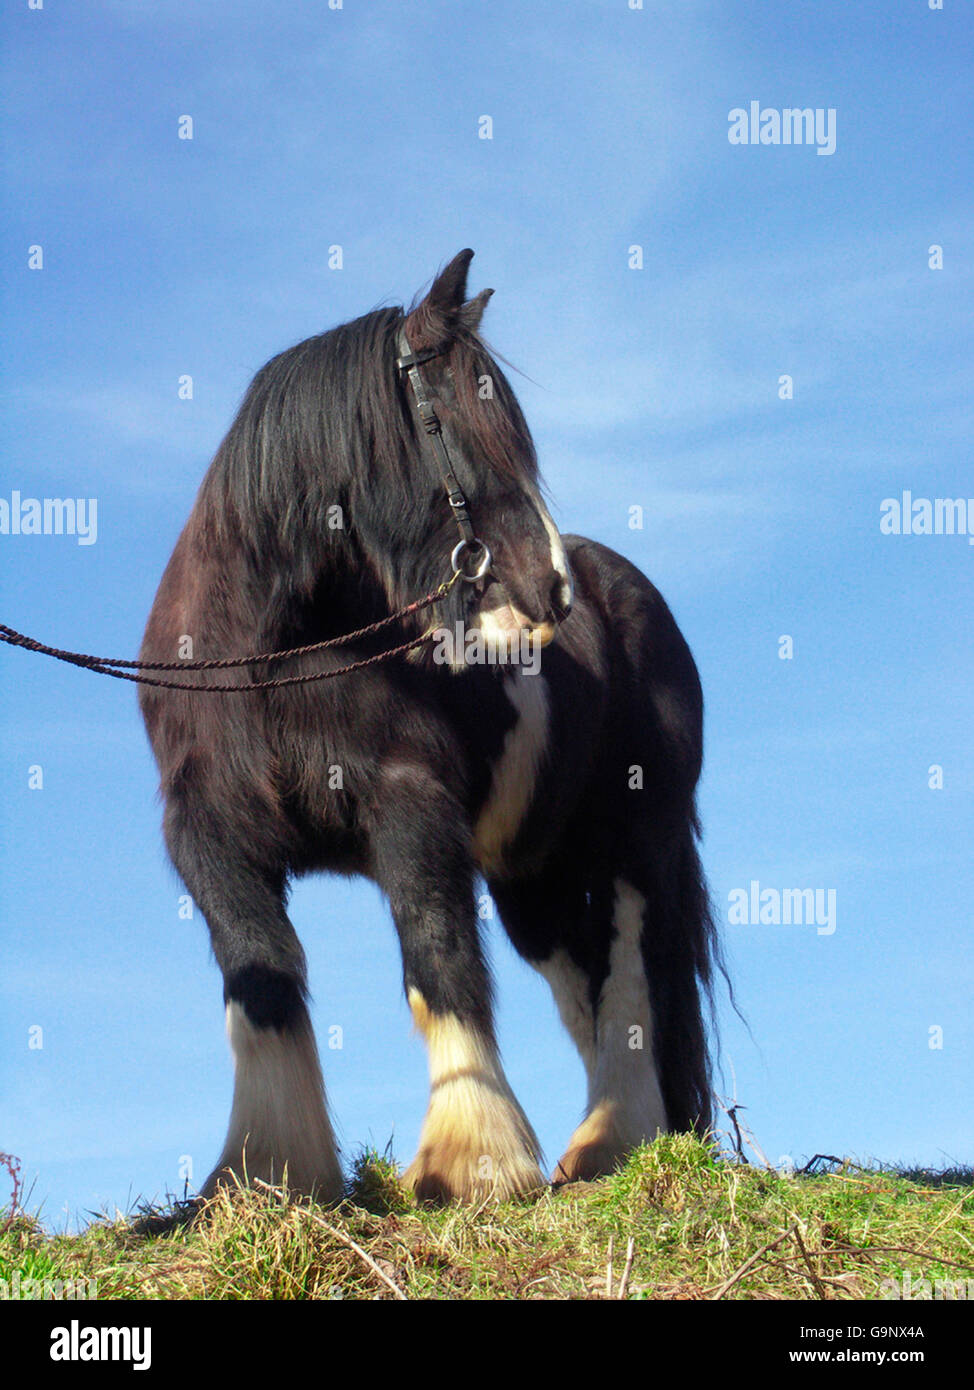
<point x="327" y="420"/>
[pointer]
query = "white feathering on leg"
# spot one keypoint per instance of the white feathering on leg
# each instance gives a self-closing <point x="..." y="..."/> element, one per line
<point x="279" y="1117"/>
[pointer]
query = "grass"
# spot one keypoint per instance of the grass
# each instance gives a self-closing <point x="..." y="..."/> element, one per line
<point x="679" y="1221"/>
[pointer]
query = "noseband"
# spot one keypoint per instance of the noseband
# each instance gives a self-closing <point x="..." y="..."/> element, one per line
<point x="410" y="363"/>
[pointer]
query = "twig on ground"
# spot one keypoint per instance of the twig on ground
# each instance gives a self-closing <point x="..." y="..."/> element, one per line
<point x="829" y="1158"/>
<point x="12" y="1166"/>
<point x="343" y="1239"/>
<point x="817" y="1284"/>
<point x="750" y="1262"/>
<point x="624" y="1281"/>
<point x="902" y="1249"/>
<point x="744" y="1134"/>
<point x="738" y="1141"/>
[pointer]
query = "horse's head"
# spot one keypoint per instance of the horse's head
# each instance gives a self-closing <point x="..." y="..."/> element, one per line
<point x="472" y="461"/>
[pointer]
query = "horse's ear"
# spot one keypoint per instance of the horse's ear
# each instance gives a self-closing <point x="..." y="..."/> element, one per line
<point x="435" y="317"/>
<point x="449" y="289"/>
<point x="473" y="311"/>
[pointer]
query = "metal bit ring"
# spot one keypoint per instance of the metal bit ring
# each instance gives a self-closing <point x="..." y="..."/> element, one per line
<point x="456" y="560"/>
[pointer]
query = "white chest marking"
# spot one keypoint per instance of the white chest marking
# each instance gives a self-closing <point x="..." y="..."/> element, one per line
<point x="515" y="772"/>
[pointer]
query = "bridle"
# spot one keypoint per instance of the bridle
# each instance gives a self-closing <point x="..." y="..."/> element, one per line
<point x="410" y="363"/>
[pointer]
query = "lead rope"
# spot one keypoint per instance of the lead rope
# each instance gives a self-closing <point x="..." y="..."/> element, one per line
<point x="107" y="665"/>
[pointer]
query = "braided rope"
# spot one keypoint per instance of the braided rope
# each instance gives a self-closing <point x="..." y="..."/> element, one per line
<point x="107" y="665"/>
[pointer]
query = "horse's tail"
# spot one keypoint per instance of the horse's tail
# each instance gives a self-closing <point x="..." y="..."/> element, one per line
<point x="682" y="952"/>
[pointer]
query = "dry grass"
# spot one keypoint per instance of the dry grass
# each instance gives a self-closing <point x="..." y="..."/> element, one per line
<point x="678" y="1222"/>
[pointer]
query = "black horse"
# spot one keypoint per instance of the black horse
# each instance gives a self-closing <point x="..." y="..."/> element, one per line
<point x="565" y="778"/>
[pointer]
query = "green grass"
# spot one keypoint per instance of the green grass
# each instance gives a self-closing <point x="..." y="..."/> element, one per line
<point x="696" y="1225"/>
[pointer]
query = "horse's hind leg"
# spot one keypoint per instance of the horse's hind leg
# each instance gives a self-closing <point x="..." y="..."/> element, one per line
<point x="625" y="1101"/>
<point x="279" y="1120"/>
<point x="476" y="1141"/>
<point x="586" y="939"/>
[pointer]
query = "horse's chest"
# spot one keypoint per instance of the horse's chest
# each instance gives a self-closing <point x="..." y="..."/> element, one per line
<point x="514" y="772"/>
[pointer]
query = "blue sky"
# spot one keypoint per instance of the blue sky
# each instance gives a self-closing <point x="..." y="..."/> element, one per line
<point x="656" y="388"/>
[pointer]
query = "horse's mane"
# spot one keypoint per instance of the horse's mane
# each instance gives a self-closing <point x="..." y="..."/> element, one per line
<point x="327" y="417"/>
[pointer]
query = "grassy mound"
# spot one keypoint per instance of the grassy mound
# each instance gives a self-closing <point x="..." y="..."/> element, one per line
<point x="677" y="1222"/>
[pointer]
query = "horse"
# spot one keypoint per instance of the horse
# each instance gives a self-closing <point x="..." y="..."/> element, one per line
<point x="557" y="764"/>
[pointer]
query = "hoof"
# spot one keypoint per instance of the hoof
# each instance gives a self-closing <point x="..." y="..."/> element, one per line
<point x="454" y="1172"/>
<point x="476" y="1144"/>
<point x="586" y="1162"/>
<point x="602" y="1143"/>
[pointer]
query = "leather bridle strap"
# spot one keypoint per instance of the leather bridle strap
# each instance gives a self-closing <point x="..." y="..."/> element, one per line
<point x="410" y="362"/>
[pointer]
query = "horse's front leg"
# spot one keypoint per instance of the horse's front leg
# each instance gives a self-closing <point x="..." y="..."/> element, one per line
<point x="476" y="1141"/>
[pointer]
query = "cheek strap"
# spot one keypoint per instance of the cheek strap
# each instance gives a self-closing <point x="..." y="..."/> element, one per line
<point x="470" y="550"/>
